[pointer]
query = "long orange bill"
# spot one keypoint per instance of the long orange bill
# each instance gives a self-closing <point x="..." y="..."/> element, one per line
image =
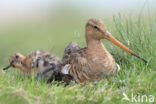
<point x="108" y="36"/>
<point x="7" y="67"/>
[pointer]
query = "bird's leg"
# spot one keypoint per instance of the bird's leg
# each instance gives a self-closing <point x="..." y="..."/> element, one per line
<point x="53" y="77"/>
<point x="59" y="77"/>
<point x="37" y="77"/>
<point x="46" y="71"/>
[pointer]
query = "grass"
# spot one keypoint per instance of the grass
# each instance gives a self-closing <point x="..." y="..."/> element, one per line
<point x="136" y="32"/>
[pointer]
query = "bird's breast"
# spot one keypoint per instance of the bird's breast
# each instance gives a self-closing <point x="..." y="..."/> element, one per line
<point x="102" y="62"/>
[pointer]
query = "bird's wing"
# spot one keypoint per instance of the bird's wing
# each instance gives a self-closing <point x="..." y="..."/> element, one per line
<point x="75" y="63"/>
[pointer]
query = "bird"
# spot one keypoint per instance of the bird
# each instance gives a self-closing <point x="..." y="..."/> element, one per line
<point x="92" y="62"/>
<point x="39" y="62"/>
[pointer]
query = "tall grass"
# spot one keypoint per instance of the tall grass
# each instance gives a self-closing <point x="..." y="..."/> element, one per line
<point x="136" y="32"/>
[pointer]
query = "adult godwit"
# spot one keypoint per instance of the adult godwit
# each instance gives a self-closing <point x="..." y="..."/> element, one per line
<point x="39" y="62"/>
<point x="93" y="61"/>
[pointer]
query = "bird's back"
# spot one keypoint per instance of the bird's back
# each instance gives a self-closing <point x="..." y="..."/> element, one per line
<point x="75" y="63"/>
<point x="42" y="60"/>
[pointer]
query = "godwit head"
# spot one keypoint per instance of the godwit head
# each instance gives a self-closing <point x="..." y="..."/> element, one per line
<point x="96" y="30"/>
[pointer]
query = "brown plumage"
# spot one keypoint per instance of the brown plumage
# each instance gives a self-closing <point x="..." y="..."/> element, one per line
<point x="93" y="61"/>
<point x="37" y="62"/>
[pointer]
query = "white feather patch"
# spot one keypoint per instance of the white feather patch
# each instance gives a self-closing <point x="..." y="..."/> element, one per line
<point x="118" y="67"/>
<point x="107" y="32"/>
<point x="66" y="68"/>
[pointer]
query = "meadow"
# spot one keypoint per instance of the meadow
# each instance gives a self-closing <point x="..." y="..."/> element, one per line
<point x="138" y="32"/>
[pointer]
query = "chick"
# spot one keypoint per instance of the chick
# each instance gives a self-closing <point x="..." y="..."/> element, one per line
<point x="39" y="62"/>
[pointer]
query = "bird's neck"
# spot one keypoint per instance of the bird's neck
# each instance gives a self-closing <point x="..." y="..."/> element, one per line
<point x="25" y="65"/>
<point x="99" y="56"/>
<point x="26" y="62"/>
<point x="95" y="45"/>
<point x="97" y="51"/>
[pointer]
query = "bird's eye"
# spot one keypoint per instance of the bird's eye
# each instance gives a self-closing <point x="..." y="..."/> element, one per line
<point x="95" y="27"/>
<point x="12" y="62"/>
<point x="17" y="56"/>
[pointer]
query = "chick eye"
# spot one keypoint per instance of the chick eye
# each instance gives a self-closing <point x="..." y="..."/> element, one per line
<point x="17" y="57"/>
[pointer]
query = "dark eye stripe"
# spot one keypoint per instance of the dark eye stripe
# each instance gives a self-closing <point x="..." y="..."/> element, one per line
<point x="95" y="27"/>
